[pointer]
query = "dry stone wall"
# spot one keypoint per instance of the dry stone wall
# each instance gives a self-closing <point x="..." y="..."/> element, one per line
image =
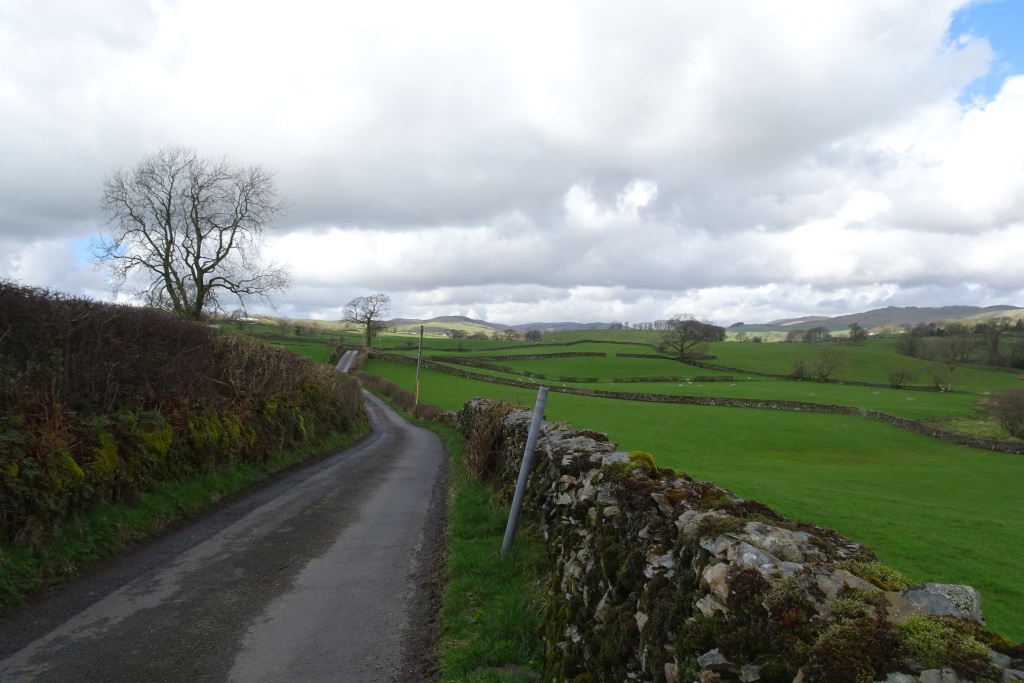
<point x="656" y="577"/>
<point x="1014" y="446"/>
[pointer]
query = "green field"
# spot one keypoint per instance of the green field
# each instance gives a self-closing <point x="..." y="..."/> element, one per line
<point x="963" y="411"/>
<point x="938" y="512"/>
<point x="318" y="352"/>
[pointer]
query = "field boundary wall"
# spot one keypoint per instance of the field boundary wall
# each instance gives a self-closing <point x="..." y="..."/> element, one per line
<point x="658" y="578"/>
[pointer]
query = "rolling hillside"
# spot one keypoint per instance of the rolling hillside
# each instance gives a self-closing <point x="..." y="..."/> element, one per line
<point x="891" y="316"/>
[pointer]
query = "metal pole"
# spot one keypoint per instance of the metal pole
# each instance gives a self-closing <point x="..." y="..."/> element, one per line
<point x="524" y="468"/>
<point x="419" y="357"/>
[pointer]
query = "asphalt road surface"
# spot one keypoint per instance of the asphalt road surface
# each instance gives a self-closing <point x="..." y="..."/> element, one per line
<point x="326" y="574"/>
<point x="346" y="360"/>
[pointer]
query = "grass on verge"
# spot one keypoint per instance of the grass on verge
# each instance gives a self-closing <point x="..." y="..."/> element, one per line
<point x="101" y="534"/>
<point x="491" y="618"/>
<point x="491" y="613"/>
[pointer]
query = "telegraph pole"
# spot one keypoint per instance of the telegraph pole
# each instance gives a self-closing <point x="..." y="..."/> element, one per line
<point x="419" y="357"/>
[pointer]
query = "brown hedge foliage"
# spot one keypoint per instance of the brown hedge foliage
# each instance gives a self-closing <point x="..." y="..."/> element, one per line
<point x="403" y="398"/>
<point x="98" y="402"/>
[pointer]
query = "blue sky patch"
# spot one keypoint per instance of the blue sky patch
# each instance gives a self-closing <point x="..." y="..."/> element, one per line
<point x="1001" y="22"/>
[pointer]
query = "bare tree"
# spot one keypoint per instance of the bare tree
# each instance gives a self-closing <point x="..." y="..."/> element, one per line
<point x="191" y="228"/>
<point x="533" y="335"/>
<point x="911" y="342"/>
<point x="828" y="360"/>
<point x="369" y="312"/>
<point x="952" y="350"/>
<point x="689" y="337"/>
<point x="899" y="377"/>
<point x="992" y="332"/>
<point x="283" y="326"/>
<point x="1008" y="409"/>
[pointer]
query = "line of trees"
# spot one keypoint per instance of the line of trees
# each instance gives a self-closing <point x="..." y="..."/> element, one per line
<point x="497" y="335"/>
<point x="955" y="344"/>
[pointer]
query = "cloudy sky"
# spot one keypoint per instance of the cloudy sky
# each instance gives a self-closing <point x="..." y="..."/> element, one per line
<point x="739" y="160"/>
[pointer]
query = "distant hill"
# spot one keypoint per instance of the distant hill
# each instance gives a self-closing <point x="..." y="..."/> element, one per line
<point x="562" y="327"/>
<point x="891" y="316"/>
<point x="899" y="316"/>
<point x="469" y="325"/>
<point x="445" y="324"/>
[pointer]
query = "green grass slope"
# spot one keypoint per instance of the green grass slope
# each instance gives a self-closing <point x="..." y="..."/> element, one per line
<point x="936" y="511"/>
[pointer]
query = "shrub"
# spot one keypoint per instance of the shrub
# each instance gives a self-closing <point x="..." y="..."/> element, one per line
<point x="854" y="651"/>
<point x="899" y="378"/>
<point x="1007" y="407"/>
<point x="945" y="641"/>
<point x="799" y="370"/>
<point x="644" y="460"/>
<point x="883" y="576"/>
<point x="483" y="456"/>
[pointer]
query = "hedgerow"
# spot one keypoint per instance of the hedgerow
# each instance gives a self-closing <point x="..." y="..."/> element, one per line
<point x="100" y="402"/>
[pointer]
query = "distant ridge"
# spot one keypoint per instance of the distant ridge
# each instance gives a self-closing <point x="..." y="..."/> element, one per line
<point x="890" y="316"/>
<point x="562" y="327"/>
<point x="896" y="316"/>
<point x="461" y="322"/>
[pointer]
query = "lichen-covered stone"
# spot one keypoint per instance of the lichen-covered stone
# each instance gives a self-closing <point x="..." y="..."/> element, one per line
<point x="940" y="676"/>
<point x="945" y="599"/>
<point x="901" y="678"/>
<point x="713" y="660"/>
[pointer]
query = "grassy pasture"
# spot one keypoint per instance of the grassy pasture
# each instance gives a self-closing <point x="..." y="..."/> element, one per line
<point x="936" y="511"/>
<point x="642" y="336"/>
<point x="472" y="348"/>
<point x="405" y="342"/>
<point x="318" y="352"/>
<point x="606" y="368"/>
<point x="866" y="362"/>
<point x="935" y="407"/>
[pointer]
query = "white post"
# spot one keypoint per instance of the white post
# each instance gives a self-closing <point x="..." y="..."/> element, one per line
<point x="419" y="357"/>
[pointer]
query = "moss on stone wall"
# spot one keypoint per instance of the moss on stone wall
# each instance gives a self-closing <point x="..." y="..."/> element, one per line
<point x="655" y="577"/>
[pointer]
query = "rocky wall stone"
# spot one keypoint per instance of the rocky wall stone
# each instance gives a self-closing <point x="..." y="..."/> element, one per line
<point x="656" y="577"/>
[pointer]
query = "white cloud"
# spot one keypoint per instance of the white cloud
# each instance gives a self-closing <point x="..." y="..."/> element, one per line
<point x="583" y="210"/>
<point x="560" y="159"/>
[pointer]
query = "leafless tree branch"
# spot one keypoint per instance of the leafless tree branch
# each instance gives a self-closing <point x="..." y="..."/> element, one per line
<point x="192" y="228"/>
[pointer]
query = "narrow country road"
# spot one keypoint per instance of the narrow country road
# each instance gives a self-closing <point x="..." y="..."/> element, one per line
<point x="346" y="360"/>
<point x="326" y="574"/>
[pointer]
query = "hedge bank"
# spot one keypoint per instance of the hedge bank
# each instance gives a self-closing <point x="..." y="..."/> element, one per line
<point x="100" y="402"/>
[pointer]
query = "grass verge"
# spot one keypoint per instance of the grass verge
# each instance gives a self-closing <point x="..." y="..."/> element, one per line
<point x="490" y="623"/>
<point x="491" y="615"/>
<point x="88" y="539"/>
